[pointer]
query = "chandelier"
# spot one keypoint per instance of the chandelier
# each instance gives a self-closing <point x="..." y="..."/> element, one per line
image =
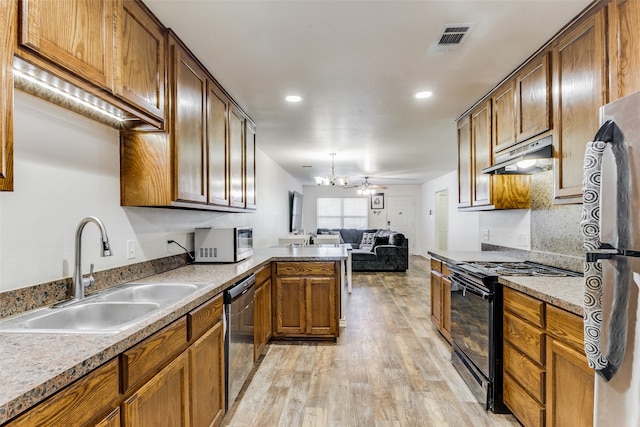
<point x="332" y="179"/>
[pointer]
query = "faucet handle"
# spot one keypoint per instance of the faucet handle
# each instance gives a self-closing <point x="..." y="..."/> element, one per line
<point x="90" y="280"/>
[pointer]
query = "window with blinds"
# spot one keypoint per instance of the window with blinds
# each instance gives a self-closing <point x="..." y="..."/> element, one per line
<point x="348" y="212"/>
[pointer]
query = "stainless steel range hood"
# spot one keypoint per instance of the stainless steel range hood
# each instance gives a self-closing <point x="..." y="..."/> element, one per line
<point x="524" y="159"/>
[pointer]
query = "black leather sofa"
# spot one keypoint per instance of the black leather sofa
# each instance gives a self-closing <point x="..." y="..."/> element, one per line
<point x="381" y="250"/>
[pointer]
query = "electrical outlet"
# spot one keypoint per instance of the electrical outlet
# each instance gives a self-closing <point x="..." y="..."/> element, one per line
<point x="485" y="234"/>
<point x="168" y="246"/>
<point x="523" y="239"/>
<point x="131" y="249"/>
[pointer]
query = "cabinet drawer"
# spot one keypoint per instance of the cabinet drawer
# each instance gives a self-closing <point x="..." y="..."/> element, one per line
<point x="263" y="274"/>
<point x="436" y="265"/>
<point x="202" y="318"/>
<point x="78" y="403"/>
<point x="146" y="358"/>
<point x="525" y="337"/>
<point x="445" y="270"/>
<point x="529" y="375"/>
<point x="305" y="269"/>
<point x="565" y="326"/>
<point x="524" y="306"/>
<point x="529" y="412"/>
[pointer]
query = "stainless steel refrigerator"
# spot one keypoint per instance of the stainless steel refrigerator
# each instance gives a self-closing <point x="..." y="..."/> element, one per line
<point x="611" y="229"/>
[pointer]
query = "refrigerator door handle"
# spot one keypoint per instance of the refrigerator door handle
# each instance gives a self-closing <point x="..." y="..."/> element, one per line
<point x="605" y="365"/>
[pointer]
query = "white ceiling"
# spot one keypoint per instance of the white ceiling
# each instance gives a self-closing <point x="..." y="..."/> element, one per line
<point x="357" y="65"/>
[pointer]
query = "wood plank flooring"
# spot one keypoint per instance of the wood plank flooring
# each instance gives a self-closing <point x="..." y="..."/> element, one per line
<point x="390" y="367"/>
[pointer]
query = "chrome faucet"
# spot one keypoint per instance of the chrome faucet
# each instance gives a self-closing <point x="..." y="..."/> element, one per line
<point x="79" y="282"/>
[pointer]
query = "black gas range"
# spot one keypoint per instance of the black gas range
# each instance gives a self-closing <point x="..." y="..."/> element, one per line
<point x="476" y="323"/>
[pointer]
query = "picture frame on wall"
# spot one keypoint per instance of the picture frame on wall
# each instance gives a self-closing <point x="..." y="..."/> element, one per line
<point x="377" y="201"/>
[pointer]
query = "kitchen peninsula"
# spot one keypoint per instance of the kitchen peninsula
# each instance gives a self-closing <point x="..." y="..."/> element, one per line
<point x="34" y="366"/>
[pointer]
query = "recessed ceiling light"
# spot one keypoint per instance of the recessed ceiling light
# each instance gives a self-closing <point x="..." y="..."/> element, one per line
<point x="424" y="94"/>
<point x="293" y="98"/>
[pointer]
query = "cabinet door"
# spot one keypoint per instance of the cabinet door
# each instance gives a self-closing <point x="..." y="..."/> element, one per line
<point x="533" y="98"/>
<point x="188" y="123"/>
<point x="140" y="78"/>
<point x="7" y="39"/>
<point x="624" y="57"/>
<point x="262" y="331"/>
<point x="218" y="145"/>
<point x="464" y="162"/>
<point x="163" y="401"/>
<point x="74" y="34"/>
<point x="250" y="165"/>
<point x="321" y="306"/>
<point x="504" y="117"/>
<point x="569" y="386"/>
<point x="111" y="420"/>
<point x="290" y="306"/>
<point x="579" y="78"/>
<point x="482" y="154"/>
<point x="446" y="309"/>
<point x="436" y="299"/>
<point x="206" y="367"/>
<point x="236" y="157"/>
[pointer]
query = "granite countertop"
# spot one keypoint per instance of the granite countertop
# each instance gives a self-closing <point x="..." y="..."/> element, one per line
<point x="563" y="292"/>
<point x="33" y="366"/>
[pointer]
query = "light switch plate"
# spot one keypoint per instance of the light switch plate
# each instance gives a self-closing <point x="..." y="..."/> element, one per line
<point x="131" y="249"/>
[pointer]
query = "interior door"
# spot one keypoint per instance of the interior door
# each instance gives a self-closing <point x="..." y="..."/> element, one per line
<point x="442" y="220"/>
<point x="401" y="217"/>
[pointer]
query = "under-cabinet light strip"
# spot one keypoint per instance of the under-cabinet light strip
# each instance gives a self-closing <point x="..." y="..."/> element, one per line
<point x="69" y="96"/>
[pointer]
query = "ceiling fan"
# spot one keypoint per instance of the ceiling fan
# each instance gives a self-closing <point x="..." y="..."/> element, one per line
<point x="366" y="188"/>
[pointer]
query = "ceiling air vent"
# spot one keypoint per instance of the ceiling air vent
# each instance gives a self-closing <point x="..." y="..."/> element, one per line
<point x="454" y="35"/>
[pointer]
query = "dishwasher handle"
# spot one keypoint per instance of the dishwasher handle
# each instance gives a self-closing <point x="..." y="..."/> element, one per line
<point x="240" y="288"/>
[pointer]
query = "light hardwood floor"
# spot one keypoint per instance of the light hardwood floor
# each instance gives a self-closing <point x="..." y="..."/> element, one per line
<point x="390" y="367"/>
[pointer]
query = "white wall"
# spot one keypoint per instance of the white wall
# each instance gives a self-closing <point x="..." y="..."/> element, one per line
<point x="67" y="167"/>
<point x="312" y="192"/>
<point x="510" y="228"/>
<point x="464" y="227"/>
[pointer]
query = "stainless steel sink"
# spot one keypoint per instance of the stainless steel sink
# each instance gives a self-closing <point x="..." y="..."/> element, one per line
<point x="108" y="311"/>
<point x="160" y="293"/>
<point x="83" y="317"/>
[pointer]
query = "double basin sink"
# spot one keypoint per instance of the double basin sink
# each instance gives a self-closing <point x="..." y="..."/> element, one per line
<point x="109" y="311"/>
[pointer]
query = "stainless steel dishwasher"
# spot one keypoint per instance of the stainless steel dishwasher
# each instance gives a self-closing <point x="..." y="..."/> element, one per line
<point x="238" y="336"/>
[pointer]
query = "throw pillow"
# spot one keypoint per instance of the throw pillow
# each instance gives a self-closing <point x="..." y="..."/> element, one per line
<point x="367" y="241"/>
<point x="380" y="240"/>
<point x="397" y="239"/>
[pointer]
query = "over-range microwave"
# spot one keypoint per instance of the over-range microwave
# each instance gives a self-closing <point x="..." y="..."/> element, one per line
<point x="223" y="244"/>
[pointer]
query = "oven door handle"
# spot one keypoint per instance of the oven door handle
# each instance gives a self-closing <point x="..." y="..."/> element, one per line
<point x="469" y="287"/>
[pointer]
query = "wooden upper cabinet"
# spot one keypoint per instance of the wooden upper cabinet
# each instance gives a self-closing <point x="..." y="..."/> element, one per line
<point x="77" y="35"/>
<point x="579" y="81"/>
<point x="7" y="40"/>
<point x="250" y="165"/>
<point x="624" y="57"/>
<point x="533" y="99"/>
<point x="188" y="115"/>
<point x="504" y="117"/>
<point x="236" y="157"/>
<point x="482" y="154"/>
<point x="140" y="78"/>
<point x="218" y="145"/>
<point x="464" y="162"/>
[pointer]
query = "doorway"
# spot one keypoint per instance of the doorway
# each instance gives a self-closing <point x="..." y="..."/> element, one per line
<point x="442" y="220"/>
<point x="401" y="217"/>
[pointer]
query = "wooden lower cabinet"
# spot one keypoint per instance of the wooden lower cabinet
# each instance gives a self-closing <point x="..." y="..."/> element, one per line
<point x="547" y="381"/>
<point x="570" y="384"/>
<point x="206" y="367"/>
<point x="93" y="395"/>
<point x="262" y="331"/>
<point x="306" y="299"/>
<point x="163" y="400"/>
<point x="441" y="297"/>
<point x="111" y="420"/>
